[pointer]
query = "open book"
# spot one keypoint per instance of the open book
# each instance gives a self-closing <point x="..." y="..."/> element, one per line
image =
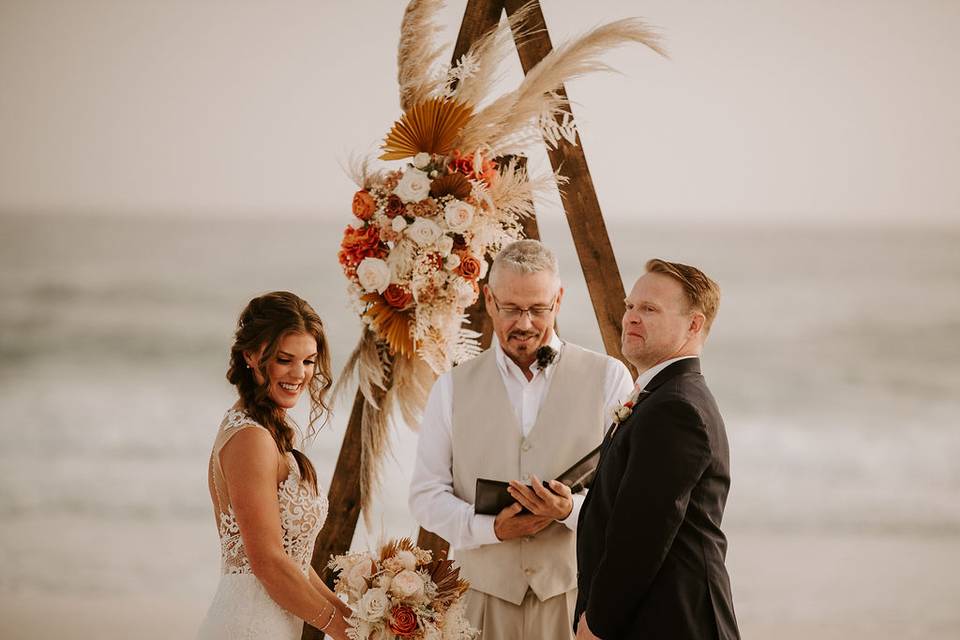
<point x="492" y="497"/>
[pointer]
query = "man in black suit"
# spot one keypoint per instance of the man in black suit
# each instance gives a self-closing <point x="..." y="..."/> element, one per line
<point x="650" y="551"/>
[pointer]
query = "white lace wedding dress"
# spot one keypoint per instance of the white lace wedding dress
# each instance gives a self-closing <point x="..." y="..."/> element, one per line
<point x="242" y="609"/>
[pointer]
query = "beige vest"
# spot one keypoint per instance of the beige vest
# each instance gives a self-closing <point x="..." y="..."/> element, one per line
<point x="488" y="443"/>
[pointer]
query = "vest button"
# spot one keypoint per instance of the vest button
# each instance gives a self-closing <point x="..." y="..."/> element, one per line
<point x="526" y="446"/>
<point x="528" y="572"/>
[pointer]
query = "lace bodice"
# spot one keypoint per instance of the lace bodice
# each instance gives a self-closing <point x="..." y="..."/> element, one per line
<point x="302" y="513"/>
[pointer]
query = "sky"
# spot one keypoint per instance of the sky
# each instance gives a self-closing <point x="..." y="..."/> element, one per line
<point x="835" y="111"/>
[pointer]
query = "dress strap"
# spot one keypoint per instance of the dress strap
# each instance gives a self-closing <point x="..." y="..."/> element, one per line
<point x="233" y="423"/>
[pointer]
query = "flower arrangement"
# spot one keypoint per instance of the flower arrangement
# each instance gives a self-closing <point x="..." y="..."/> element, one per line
<point x="402" y="594"/>
<point x="423" y="234"/>
<point x="420" y="244"/>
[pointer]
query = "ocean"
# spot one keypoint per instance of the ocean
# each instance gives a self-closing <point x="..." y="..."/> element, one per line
<point x="835" y="359"/>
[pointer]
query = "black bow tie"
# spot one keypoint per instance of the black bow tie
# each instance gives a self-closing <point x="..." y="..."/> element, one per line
<point x="546" y="355"/>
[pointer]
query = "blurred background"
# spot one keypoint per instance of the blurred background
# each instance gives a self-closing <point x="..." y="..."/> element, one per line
<point x="162" y="162"/>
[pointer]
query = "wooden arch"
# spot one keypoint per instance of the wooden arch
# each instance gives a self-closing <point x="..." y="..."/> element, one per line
<point x="594" y="251"/>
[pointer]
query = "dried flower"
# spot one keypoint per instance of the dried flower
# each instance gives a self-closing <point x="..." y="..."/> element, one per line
<point x="364" y="205"/>
<point x="469" y="267"/>
<point x="424" y="232"/>
<point x="397" y="296"/>
<point x="458" y="215"/>
<point x="403" y="621"/>
<point x="414" y="186"/>
<point x="374" y="274"/>
<point x="421" y="160"/>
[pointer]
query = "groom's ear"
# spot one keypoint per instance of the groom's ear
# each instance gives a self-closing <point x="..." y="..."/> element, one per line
<point x="488" y="300"/>
<point x="697" y="322"/>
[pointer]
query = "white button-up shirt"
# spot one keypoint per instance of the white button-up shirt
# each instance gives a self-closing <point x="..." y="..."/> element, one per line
<point x="432" y="501"/>
<point x="647" y="376"/>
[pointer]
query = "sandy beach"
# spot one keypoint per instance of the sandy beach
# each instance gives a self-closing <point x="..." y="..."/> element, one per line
<point x="788" y="586"/>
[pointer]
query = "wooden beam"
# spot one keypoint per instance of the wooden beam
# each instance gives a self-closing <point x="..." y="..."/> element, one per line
<point x="580" y="203"/>
<point x="344" y="506"/>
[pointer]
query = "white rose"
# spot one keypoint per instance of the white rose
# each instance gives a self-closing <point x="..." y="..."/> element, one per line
<point x="458" y="215"/>
<point x="374" y="604"/>
<point x="424" y="232"/>
<point x="406" y="584"/>
<point x="421" y="160"/>
<point x="452" y="261"/>
<point x="445" y="245"/>
<point x="414" y="186"/>
<point x="399" y="224"/>
<point x="374" y="274"/>
<point x="407" y="559"/>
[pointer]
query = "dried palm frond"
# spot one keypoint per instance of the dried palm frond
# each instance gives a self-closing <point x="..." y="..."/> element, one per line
<point x="514" y="117"/>
<point x="372" y="364"/>
<point x="450" y="586"/>
<point x="391" y="324"/>
<point x="393" y="547"/>
<point x="431" y="126"/>
<point x="412" y="381"/>
<point x="453" y="184"/>
<point x="417" y="54"/>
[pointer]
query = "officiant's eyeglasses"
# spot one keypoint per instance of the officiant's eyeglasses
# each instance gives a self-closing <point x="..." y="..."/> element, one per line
<point x="513" y="313"/>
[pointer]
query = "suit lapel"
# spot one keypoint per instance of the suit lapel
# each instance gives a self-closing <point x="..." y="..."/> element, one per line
<point x="687" y="365"/>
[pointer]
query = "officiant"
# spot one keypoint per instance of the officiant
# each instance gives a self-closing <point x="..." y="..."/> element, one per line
<point x="521" y="412"/>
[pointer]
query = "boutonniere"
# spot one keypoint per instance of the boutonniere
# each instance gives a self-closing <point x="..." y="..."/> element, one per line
<point x="546" y="355"/>
<point x="623" y="412"/>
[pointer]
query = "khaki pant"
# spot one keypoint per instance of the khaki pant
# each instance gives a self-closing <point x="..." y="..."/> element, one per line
<point x="533" y="620"/>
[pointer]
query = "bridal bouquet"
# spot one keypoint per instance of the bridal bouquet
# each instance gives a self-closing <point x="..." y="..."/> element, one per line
<point x="402" y="594"/>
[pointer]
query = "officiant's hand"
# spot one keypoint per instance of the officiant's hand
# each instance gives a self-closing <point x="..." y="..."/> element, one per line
<point x="555" y="503"/>
<point x="510" y="524"/>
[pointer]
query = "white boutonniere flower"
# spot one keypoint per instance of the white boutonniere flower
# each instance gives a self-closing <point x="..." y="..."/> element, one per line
<point x="623" y="412"/>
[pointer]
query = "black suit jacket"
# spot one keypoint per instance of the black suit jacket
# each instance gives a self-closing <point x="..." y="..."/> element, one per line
<point x="650" y="551"/>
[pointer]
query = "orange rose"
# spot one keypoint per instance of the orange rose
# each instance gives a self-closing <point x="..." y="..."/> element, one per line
<point x="397" y="296"/>
<point x="469" y="266"/>
<point x="487" y="171"/>
<point x="363" y="205"/>
<point x="358" y="244"/>
<point x="403" y="621"/>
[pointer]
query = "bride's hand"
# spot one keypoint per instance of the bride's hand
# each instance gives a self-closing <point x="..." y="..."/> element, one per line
<point x="337" y="629"/>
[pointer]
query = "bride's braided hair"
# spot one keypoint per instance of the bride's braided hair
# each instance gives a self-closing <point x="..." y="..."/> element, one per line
<point x="262" y="324"/>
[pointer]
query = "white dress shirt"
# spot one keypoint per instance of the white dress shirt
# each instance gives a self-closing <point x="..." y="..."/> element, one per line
<point x="432" y="501"/>
<point x="647" y="376"/>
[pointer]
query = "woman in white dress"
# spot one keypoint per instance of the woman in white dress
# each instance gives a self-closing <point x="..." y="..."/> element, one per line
<point x="267" y="505"/>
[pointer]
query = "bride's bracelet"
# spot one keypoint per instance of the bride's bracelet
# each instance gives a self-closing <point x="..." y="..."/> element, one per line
<point x="313" y="621"/>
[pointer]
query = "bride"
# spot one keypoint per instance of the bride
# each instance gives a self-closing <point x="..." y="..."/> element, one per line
<point x="267" y="505"/>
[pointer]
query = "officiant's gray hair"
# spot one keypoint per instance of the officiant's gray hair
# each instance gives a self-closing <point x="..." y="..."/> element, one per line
<point x="525" y="256"/>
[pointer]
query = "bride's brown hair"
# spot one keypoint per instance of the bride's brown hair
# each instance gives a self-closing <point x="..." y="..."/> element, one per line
<point x="262" y="324"/>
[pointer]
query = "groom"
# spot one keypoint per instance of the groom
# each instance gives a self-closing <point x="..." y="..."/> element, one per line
<point x="650" y="551"/>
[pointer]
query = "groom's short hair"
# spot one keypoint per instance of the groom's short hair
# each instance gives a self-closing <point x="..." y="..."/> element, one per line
<point x="702" y="293"/>
<point x="525" y="256"/>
